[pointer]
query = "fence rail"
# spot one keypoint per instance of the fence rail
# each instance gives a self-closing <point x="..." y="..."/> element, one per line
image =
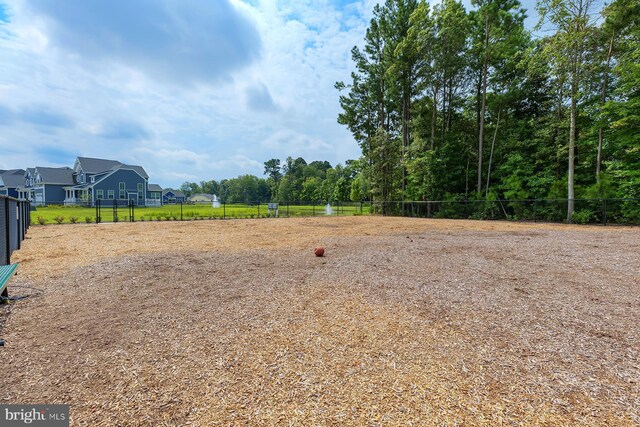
<point x="15" y="217"/>
<point x="587" y="211"/>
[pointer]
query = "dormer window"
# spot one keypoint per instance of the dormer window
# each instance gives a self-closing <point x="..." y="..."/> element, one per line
<point x="93" y="179"/>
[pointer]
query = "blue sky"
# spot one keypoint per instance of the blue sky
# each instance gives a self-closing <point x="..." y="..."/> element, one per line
<point x="191" y="90"/>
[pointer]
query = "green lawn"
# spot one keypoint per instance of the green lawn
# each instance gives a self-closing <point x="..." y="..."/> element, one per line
<point x="67" y="214"/>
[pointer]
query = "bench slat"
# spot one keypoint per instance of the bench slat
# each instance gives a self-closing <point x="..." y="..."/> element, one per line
<point x="6" y="273"/>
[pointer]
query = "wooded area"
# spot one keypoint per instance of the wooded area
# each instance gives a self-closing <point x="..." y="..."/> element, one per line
<point x="450" y="104"/>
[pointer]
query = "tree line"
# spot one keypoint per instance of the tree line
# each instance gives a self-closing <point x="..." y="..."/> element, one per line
<point x="455" y="104"/>
<point x="293" y="180"/>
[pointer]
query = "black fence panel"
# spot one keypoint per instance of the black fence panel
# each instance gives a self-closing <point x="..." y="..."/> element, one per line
<point x="4" y="232"/>
<point x="586" y="211"/>
<point x="14" y="221"/>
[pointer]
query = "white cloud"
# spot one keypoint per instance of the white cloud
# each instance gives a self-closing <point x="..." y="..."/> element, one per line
<point x="277" y="103"/>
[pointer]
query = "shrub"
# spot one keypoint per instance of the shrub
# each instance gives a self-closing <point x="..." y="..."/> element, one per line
<point x="41" y="220"/>
<point x="583" y="216"/>
<point x="88" y="219"/>
<point x="58" y="219"/>
<point x="73" y="219"/>
<point x="159" y="217"/>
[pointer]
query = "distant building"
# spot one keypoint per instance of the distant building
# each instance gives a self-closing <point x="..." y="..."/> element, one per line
<point x="200" y="198"/>
<point x="170" y="197"/>
<point x="88" y="181"/>
<point x="11" y="181"/>
<point x="49" y="185"/>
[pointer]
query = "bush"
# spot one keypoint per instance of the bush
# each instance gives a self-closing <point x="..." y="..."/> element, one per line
<point x="88" y="219"/>
<point x="58" y="219"/>
<point x="583" y="216"/>
<point x="41" y="220"/>
<point x="73" y="219"/>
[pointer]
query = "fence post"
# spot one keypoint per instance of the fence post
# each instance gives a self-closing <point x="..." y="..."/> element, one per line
<point x="258" y="208"/>
<point x="7" y="229"/>
<point x="180" y="210"/>
<point x="224" y="210"/>
<point x="604" y="208"/>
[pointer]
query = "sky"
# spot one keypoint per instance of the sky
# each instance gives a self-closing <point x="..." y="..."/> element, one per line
<point x="191" y="90"/>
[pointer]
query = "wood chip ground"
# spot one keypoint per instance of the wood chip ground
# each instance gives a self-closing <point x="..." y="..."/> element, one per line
<point x="402" y="322"/>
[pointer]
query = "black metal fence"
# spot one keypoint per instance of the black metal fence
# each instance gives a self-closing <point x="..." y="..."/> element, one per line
<point x="14" y="222"/>
<point x="121" y="211"/>
<point x="586" y="211"/>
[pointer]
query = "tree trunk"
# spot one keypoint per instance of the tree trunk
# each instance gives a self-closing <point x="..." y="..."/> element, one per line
<point x="483" y="107"/>
<point x="603" y="98"/>
<point x="434" y="113"/>
<point x="493" y="143"/>
<point x="572" y="141"/>
<point x="444" y="107"/>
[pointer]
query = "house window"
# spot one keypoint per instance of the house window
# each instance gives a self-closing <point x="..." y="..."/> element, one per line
<point x="110" y="194"/>
<point x="100" y="194"/>
<point x="140" y="186"/>
<point x="93" y="179"/>
<point x="122" y="194"/>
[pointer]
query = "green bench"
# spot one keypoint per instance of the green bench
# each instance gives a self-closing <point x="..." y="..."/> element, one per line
<point x="6" y="273"/>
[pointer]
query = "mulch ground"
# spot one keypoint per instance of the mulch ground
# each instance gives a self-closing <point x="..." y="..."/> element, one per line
<point x="402" y="322"/>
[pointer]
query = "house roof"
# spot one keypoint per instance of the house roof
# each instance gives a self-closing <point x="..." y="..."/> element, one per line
<point x="30" y="171"/>
<point x="91" y="165"/>
<point x="62" y="176"/>
<point x="154" y="187"/>
<point x="12" y="178"/>
<point x="138" y="169"/>
<point x="176" y="193"/>
<point x="202" y="195"/>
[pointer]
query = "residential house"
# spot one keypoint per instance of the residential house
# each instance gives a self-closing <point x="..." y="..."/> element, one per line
<point x="11" y="181"/>
<point x="201" y="198"/>
<point x="154" y="195"/>
<point x="108" y="180"/>
<point x="49" y="185"/>
<point x="170" y="197"/>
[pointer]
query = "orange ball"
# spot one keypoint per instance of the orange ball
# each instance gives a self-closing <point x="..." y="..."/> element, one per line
<point x="319" y="251"/>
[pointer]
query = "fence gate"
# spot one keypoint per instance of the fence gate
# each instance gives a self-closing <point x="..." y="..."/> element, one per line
<point x="115" y="210"/>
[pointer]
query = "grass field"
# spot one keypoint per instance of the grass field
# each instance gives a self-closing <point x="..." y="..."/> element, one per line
<point x="404" y="321"/>
<point x="70" y="214"/>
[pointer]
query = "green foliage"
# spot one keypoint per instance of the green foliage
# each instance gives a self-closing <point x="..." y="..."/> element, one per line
<point x="583" y="216"/>
<point x="430" y="104"/>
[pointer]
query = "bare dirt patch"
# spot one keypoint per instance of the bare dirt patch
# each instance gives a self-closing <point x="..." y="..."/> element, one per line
<point x="403" y="322"/>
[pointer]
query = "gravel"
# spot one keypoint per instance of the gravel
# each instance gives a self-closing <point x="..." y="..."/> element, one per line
<point x="402" y="322"/>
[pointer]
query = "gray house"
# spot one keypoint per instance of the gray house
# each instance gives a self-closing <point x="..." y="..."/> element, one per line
<point x="102" y="179"/>
<point x="49" y="185"/>
<point x="170" y="197"/>
<point x="155" y="195"/>
<point x="11" y="181"/>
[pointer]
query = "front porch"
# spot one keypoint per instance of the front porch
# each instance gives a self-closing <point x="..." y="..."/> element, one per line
<point x="75" y="196"/>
